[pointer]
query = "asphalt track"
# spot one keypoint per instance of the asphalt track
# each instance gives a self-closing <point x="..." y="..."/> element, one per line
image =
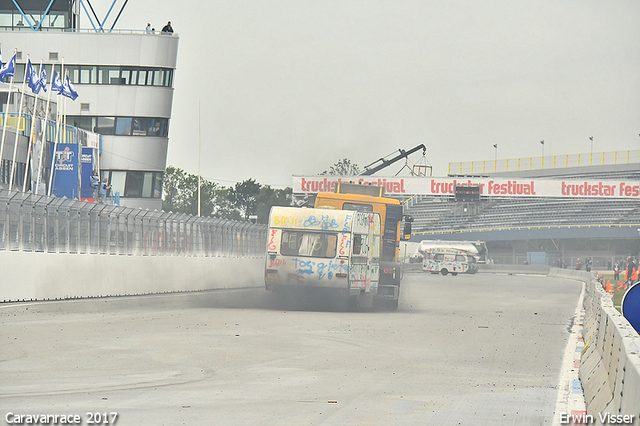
<point x="466" y="350"/>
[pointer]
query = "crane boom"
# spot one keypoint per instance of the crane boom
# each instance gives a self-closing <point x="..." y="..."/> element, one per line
<point x="385" y="162"/>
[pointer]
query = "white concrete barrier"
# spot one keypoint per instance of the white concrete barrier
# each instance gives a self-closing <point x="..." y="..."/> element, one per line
<point x="46" y="276"/>
<point x="514" y="269"/>
<point x="610" y="362"/>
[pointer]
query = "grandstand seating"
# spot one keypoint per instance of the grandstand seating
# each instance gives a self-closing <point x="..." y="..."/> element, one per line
<point x="442" y="214"/>
<point x="439" y="215"/>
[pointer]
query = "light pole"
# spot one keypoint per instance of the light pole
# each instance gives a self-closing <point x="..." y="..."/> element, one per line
<point x="542" y="143"/>
<point x="591" y="139"/>
<point x="199" y="175"/>
<point x="495" y="145"/>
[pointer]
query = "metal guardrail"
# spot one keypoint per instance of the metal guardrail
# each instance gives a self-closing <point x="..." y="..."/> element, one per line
<point x="519" y="228"/>
<point x="39" y="223"/>
<point x="546" y="162"/>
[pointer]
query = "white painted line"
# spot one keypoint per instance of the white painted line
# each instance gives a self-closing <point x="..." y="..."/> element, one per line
<point x="569" y="400"/>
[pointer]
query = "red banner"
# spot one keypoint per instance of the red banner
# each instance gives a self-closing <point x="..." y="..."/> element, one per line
<point x="492" y="187"/>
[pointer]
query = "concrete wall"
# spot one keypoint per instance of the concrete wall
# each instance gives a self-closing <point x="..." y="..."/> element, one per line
<point x="43" y="276"/>
<point x="610" y="362"/>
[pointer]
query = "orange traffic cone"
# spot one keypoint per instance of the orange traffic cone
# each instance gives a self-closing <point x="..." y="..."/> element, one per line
<point x="619" y="288"/>
<point x="608" y="289"/>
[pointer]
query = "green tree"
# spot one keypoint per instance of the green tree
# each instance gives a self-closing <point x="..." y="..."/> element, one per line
<point x="171" y="184"/>
<point x="236" y="203"/>
<point x="181" y="193"/>
<point x="343" y="167"/>
<point x="207" y="196"/>
<point x="244" y="197"/>
<point x="269" y="197"/>
<point x="224" y="207"/>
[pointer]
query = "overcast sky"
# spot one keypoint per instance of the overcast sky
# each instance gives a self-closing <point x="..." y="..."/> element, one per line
<point x="289" y="87"/>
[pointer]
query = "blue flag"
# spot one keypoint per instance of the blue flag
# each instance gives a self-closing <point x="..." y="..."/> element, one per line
<point x="32" y="78"/>
<point x="56" y="83"/>
<point x="8" y="69"/>
<point x="43" y="79"/>
<point x="68" y="90"/>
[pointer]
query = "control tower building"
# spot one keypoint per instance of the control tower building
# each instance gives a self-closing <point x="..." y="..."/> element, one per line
<point x="124" y="79"/>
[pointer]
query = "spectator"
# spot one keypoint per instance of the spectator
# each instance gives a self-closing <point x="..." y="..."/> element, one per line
<point x="148" y="29"/>
<point x="168" y="28"/>
<point x="103" y="190"/>
<point x="578" y="264"/>
<point x="95" y="184"/>
<point x="631" y="268"/>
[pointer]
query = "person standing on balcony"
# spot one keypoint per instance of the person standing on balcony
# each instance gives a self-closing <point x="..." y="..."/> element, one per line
<point x="168" y="28"/>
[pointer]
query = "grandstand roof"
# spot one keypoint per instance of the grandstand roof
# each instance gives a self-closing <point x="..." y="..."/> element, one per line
<point x="608" y="171"/>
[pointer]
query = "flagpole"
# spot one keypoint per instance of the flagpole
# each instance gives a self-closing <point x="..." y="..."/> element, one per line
<point x="199" y="198"/>
<point x="15" y="144"/>
<point x="31" y="132"/>
<point x="6" y="116"/>
<point x="44" y="135"/>
<point x="64" y="112"/>
<point x="55" y="144"/>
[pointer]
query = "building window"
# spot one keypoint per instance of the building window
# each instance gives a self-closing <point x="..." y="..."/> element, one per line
<point x="134" y="76"/>
<point x="142" y="79"/>
<point x="135" y="184"/>
<point x="133" y="187"/>
<point x="122" y="126"/>
<point x="85" y="123"/>
<point x="112" y="75"/>
<point x="117" y="181"/>
<point x="147" y="185"/>
<point x="106" y="125"/>
<point x="74" y="73"/>
<point x="88" y="75"/>
<point x="157" y="184"/>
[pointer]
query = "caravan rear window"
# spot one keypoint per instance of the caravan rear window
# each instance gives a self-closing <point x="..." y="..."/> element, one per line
<point x="310" y="244"/>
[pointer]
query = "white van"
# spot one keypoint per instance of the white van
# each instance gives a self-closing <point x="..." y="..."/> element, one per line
<point x="446" y="260"/>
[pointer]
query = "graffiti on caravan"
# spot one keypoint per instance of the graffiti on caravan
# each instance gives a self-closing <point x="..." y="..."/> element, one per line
<point x="396" y="186"/>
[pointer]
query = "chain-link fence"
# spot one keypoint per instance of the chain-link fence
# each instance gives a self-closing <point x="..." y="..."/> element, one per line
<point x="39" y="223"/>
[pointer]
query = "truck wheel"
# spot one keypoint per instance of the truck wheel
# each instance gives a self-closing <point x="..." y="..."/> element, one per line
<point x="454" y="274"/>
<point x="444" y="272"/>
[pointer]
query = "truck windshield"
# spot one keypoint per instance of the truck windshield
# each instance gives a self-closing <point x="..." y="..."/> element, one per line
<point x="310" y="244"/>
<point x="367" y="208"/>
